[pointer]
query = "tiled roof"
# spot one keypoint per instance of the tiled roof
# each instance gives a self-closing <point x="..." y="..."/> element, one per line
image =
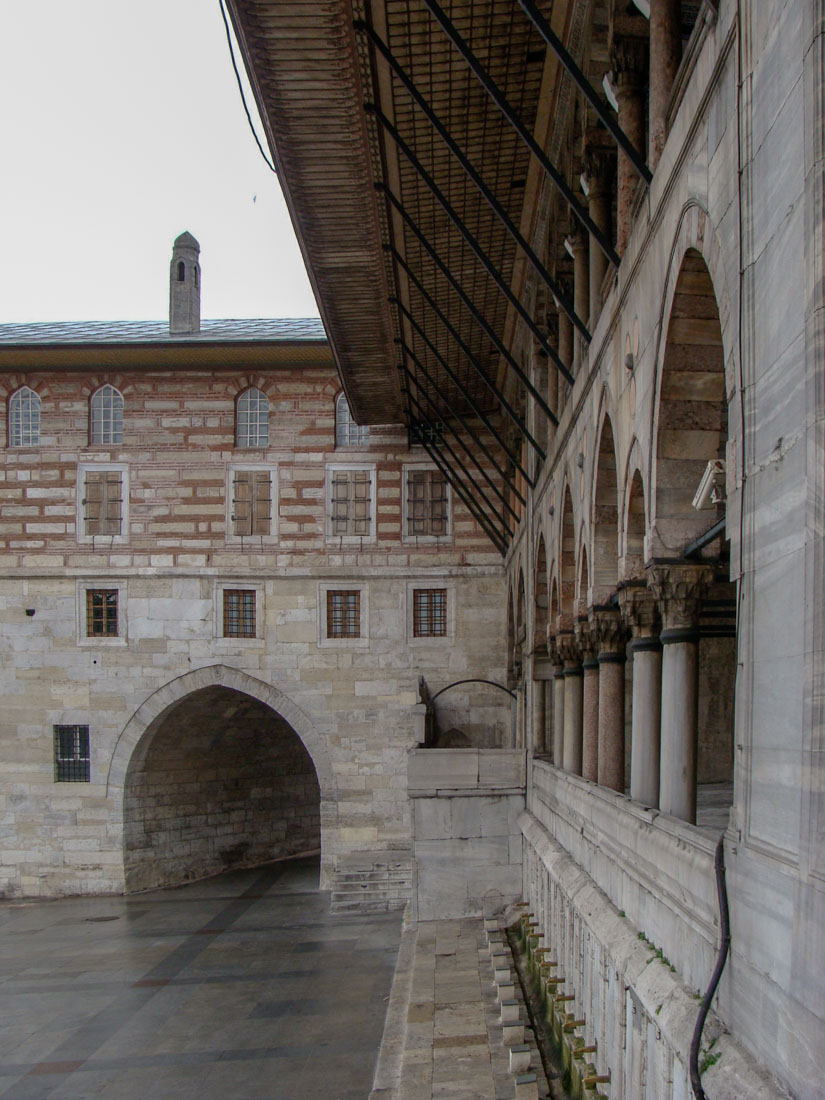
<point x="282" y="330"/>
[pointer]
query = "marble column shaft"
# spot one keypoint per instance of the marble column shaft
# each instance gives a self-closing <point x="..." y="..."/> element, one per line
<point x="629" y="58"/>
<point x="597" y="168"/>
<point x="590" y="702"/>
<point x="642" y="615"/>
<point x="581" y="291"/>
<point x="609" y="631"/>
<point x="558" y="717"/>
<point x="665" y="55"/>
<point x="572" y="757"/>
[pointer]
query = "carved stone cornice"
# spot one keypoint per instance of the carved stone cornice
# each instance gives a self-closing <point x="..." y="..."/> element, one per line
<point x="679" y="588"/>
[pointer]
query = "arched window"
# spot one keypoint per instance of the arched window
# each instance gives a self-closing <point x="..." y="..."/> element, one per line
<point x="24" y="418"/>
<point x="347" y="432"/>
<point x="252" y="419"/>
<point x="106" y="425"/>
<point x="181" y="272"/>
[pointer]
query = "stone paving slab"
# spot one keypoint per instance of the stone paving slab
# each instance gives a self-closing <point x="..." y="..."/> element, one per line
<point x="443" y="1036"/>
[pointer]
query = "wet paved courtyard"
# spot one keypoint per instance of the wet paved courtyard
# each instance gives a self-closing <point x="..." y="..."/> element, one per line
<point x="235" y="988"/>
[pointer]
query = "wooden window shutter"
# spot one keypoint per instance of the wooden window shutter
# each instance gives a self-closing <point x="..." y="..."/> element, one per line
<point x="242" y="503"/>
<point x="93" y="502"/>
<point x="112" y="505"/>
<point x="261" y="502"/>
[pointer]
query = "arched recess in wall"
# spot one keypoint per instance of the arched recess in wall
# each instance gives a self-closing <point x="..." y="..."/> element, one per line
<point x="584" y="580"/>
<point x="634" y="528"/>
<point x="605" y="517"/>
<point x="210" y="689"/>
<point x="521" y="622"/>
<point x="540" y="602"/>
<point x="567" y="556"/>
<point x="511" y="639"/>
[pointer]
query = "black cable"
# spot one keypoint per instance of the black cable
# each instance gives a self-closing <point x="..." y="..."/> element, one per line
<point x="267" y="161"/>
<point x="724" y="946"/>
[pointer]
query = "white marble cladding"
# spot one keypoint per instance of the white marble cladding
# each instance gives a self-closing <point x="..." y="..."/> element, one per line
<point x="466" y="838"/>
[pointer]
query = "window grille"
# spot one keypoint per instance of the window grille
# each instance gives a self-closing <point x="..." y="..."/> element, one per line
<point x="351" y="502"/>
<point x="427" y="509"/>
<point x="347" y="432"/>
<point x="72" y="763"/>
<point x="238" y="613"/>
<point x="103" y="502"/>
<point x="251" y="502"/>
<point x="106" y="424"/>
<point x="24" y="418"/>
<point x="429" y="612"/>
<point x="101" y="613"/>
<point x="344" y="614"/>
<point x="252" y="419"/>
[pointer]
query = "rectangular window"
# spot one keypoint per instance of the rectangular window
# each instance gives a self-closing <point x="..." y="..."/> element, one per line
<point x="350" y="503"/>
<point x="344" y="614"/>
<point x="239" y="612"/>
<point x="251" y="502"/>
<point x="101" y="612"/>
<point x="427" y="505"/>
<point x="102" y="502"/>
<point x="429" y="612"/>
<point x="72" y="762"/>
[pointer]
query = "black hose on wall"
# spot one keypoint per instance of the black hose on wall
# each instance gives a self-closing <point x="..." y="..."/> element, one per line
<point x="721" y="958"/>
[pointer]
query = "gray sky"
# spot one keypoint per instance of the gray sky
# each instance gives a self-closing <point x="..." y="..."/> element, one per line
<point x="122" y="126"/>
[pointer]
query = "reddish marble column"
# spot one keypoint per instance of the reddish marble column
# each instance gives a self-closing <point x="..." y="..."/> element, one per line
<point x="572" y="758"/>
<point x="665" y="55"/>
<point x="598" y="170"/>
<point x="629" y="58"/>
<point x="590" y="703"/>
<point x="581" y="291"/>
<point x="641" y="613"/>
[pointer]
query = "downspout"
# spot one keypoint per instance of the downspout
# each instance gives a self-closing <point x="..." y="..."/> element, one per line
<point x="724" y="946"/>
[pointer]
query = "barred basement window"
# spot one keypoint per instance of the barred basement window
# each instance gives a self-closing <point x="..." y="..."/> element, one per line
<point x="102" y="502"/>
<point x="72" y="763"/>
<point x="351" y="502"/>
<point x="252" y="419"/>
<point x="251" y="502"/>
<point x="101" y="613"/>
<point x="427" y="506"/>
<point x="239" y="612"/>
<point x="429" y="612"/>
<point x="344" y="614"/>
<point x="24" y="418"/>
<point x="106" y="422"/>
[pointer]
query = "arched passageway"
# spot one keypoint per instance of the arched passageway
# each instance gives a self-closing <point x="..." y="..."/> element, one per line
<point x="218" y="780"/>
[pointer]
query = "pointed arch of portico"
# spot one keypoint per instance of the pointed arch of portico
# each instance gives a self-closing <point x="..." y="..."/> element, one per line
<point x="540" y="602"/>
<point x="149" y="714"/>
<point x="566" y="554"/>
<point x="634" y="517"/>
<point x="605" y="508"/>
<point x="583" y="575"/>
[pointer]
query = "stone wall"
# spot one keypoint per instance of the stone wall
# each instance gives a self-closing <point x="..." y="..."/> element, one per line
<point x="222" y="782"/>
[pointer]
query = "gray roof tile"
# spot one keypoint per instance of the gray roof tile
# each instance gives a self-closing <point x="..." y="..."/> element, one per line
<point x="263" y="330"/>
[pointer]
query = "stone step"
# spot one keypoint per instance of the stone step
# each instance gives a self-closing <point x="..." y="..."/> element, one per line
<point x="371" y="882"/>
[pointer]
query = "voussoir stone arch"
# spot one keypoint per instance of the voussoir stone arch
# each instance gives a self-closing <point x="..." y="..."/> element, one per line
<point x="150" y="712"/>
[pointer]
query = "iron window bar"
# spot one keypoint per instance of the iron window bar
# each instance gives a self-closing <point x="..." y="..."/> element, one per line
<point x="516" y="419"/>
<point x="429" y="612"/>
<point x="507" y="531"/>
<point x="466" y="449"/>
<point x="454" y="413"/>
<point x="239" y="613"/>
<point x="482" y="256"/>
<point x="511" y="115"/>
<point x="72" y="758"/>
<point x="505" y="219"/>
<point x="344" y="614"/>
<point x="584" y="85"/>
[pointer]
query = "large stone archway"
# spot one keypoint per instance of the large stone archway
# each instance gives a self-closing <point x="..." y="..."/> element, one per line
<point x="286" y="740"/>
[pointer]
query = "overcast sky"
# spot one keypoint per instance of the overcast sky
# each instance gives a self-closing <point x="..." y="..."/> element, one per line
<point x="121" y="127"/>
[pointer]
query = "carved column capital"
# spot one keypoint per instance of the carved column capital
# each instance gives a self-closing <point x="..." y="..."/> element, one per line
<point x="598" y="169"/>
<point x="640" y="610"/>
<point x="588" y="644"/>
<point x="679" y="588"/>
<point x="569" y="651"/>
<point x="608" y="630"/>
<point x="628" y="59"/>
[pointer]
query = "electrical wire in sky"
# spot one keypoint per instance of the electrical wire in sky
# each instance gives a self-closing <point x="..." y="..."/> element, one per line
<point x="225" y="18"/>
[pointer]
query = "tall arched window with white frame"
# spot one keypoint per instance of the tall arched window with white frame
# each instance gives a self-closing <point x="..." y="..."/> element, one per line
<point x="106" y="419"/>
<point x="24" y="418"/>
<point x="252" y="419"/>
<point x="347" y="432"/>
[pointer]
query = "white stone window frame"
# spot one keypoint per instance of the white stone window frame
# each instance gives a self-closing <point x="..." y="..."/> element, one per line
<point x="103" y="541"/>
<point x="231" y="641"/>
<point x="246" y="418"/>
<point x="418" y="540"/>
<point x="252" y="540"/>
<point x="447" y="639"/>
<point x="349" y="467"/>
<point x="98" y="584"/>
<point x="344" y="585"/>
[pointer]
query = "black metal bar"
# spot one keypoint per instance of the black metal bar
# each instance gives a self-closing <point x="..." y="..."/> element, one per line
<point x="458" y="683"/>
<point x="699" y="543"/>
<point x="483" y="258"/>
<point x="497" y="540"/>
<point x="500" y="538"/>
<point x="457" y="459"/>
<point x="468" y="302"/>
<point x="464" y="446"/>
<point x="466" y="164"/>
<point x="509" y="113"/>
<point x="584" y="85"/>
<point x="513" y="457"/>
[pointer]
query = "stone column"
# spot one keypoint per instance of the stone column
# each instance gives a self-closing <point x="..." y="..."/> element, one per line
<point x="597" y="167"/>
<point x="629" y="59"/>
<point x="558" y="704"/>
<point x="642" y="616"/>
<point x="581" y="291"/>
<point x="565" y="353"/>
<point x="572" y="755"/>
<point x="665" y="55"/>
<point x="678" y="589"/>
<point x="542" y="673"/>
<point x="609" y="632"/>
<point x="590" y="702"/>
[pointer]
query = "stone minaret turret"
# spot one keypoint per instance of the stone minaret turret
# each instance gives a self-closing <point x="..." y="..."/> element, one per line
<point x="185" y="286"/>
